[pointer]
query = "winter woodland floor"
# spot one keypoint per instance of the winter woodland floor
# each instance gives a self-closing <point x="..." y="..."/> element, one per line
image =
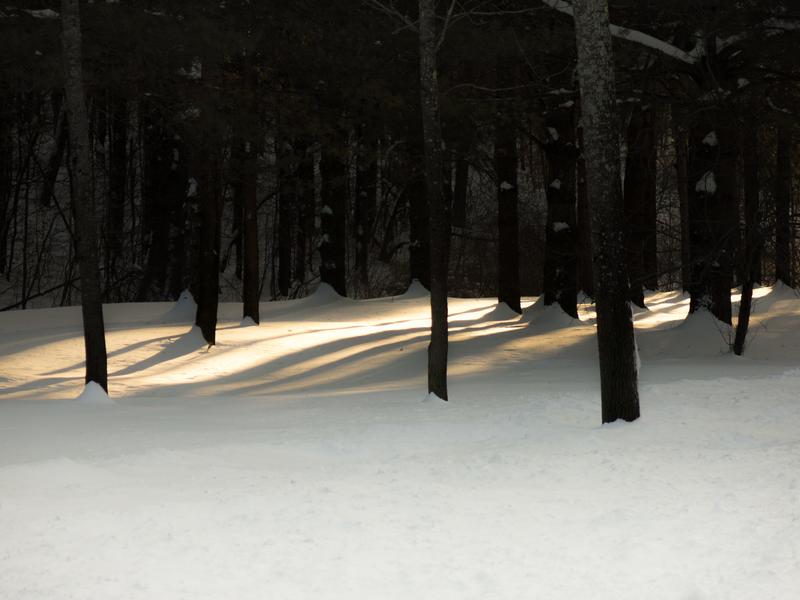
<point x="300" y="460"/>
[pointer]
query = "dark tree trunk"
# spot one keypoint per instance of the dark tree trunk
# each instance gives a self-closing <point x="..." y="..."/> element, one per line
<point x="84" y="208"/>
<point x="560" y="261"/>
<point x="584" y="218"/>
<point x="163" y="222"/>
<point x="640" y="203"/>
<point x="287" y="200"/>
<point x="712" y="210"/>
<point x="333" y="220"/>
<point x="245" y="191"/>
<point x="305" y="209"/>
<point x="419" y="243"/>
<point x="460" y="186"/>
<point x="54" y="161"/>
<point x="682" y="177"/>
<point x="6" y="175"/>
<point x="783" y="197"/>
<point x="434" y="192"/>
<point x="505" y="165"/>
<point x="617" y="346"/>
<point x="206" y="284"/>
<point x="751" y="251"/>
<point x="117" y="186"/>
<point x="366" y="204"/>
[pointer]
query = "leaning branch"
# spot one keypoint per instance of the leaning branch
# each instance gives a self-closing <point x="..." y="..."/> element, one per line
<point x="632" y="35"/>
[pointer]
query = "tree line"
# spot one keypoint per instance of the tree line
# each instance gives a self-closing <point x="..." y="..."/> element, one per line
<point x="511" y="148"/>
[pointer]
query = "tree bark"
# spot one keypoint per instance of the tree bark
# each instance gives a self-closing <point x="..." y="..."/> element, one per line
<point x="560" y="262"/>
<point x="434" y="190"/>
<point x="86" y="229"/>
<point x="206" y="284"/>
<point x="505" y="166"/>
<point x="783" y="197"/>
<point x="245" y="189"/>
<point x="617" y="346"/>
<point x="751" y="252"/>
<point x="682" y="180"/>
<point x="333" y="220"/>
<point x="584" y="219"/>
<point x="117" y="186"/>
<point x="366" y="198"/>
<point x="640" y="203"/>
<point x="287" y="200"/>
<point x="460" y="187"/>
<point x="712" y="211"/>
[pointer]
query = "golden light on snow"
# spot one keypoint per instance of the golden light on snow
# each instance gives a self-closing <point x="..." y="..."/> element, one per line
<point x="338" y="346"/>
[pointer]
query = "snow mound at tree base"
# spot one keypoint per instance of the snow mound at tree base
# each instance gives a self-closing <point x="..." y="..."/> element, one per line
<point x="94" y="395"/>
<point x="183" y="311"/>
<point x="548" y="318"/>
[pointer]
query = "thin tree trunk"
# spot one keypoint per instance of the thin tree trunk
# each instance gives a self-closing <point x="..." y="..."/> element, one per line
<point x="584" y="219"/>
<point x="245" y="191"/>
<point x="85" y="219"/>
<point x="751" y="254"/>
<point x="460" y="186"/>
<point x="640" y="202"/>
<point x="505" y="166"/>
<point x="305" y="209"/>
<point x="206" y="288"/>
<point x="783" y="195"/>
<point x="560" y="262"/>
<point x="682" y="175"/>
<point x="366" y="198"/>
<point x="333" y="170"/>
<point x="287" y="200"/>
<point x="117" y="185"/>
<point x="434" y="189"/>
<point x="617" y="347"/>
<point x="712" y="210"/>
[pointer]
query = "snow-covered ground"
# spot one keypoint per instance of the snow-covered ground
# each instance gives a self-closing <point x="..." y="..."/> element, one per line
<point x="300" y="460"/>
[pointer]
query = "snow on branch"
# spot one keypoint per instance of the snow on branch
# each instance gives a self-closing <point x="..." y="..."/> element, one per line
<point x="632" y="35"/>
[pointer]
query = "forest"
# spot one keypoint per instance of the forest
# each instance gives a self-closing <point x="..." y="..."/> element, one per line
<point x="272" y="225"/>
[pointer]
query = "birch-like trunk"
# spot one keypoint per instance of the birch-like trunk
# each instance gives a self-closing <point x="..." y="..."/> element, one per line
<point x="434" y="188"/>
<point x="85" y="219"/>
<point x="617" y="348"/>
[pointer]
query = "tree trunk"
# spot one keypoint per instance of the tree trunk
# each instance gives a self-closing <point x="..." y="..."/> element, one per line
<point x="333" y="170"/>
<point x="206" y="284"/>
<point x="245" y="190"/>
<point x="751" y="252"/>
<point x="584" y="218"/>
<point x="505" y="166"/>
<point x="434" y="190"/>
<point x="560" y="262"/>
<point x="418" y="201"/>
<point x="366" y="203"/>
<point x="117" y="185"/>
<point x="287" y="200"/>
<point x="640" y="203"/>
<point x="305" y="209"/>
<point x="712" y="211"/>
<point x="460" y="186"/>
<point x="682" y="180"/>
<point x="86" y="229"/>
<point x="617" y="346"/>
<point x="783" y="197"/>
<point x="6" y="174"/>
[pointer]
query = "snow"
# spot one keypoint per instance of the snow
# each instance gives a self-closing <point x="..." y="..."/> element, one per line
<point x="707" y="183"/>
<point x="559" y="226"/>
<point x="553" y="133"/>
<point x="711" y="139"/>
<point x="304" y="459"/>
<point x="506" y="186"/>
<point x="93" y="393"/>
<point x="555" y="184"/>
